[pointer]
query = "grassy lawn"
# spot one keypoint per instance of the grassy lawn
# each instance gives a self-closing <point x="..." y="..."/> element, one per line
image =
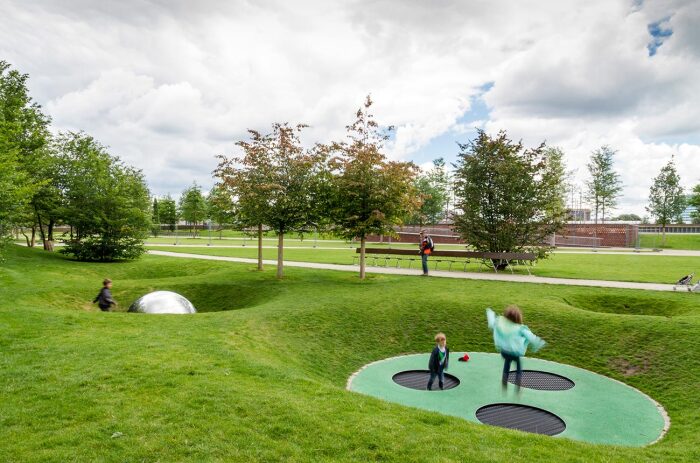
<point x="307" y="242"/>
<point x="623" y="267"/>
<point x="673" y="241"/>
<point x="260" y="374"/>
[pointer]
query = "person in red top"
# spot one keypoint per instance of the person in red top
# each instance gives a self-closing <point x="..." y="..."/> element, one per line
<point x="426" y="247"/>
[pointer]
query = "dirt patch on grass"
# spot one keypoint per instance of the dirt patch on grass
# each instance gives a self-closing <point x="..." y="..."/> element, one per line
<point x="629" y="367"/>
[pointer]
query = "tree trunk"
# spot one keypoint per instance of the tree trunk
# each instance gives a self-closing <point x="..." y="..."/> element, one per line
<point x="49" y="243"/>
<point x="44" y="241"/>
<point x="260" y="248"/>
<point x="362" y="258"/>
<point x="30" y="240"/>
<point x="280" y="255"/>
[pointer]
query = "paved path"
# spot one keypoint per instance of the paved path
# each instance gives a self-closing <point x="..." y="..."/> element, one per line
<point x="442" y="274"/>
<point x="243" y="246"/>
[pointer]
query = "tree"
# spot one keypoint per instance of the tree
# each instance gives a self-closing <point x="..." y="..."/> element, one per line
<point x="628" y="218"/>
<point x="506" y="194"/>
<point x="370" y="195"/>
<point x="604" y="186"/>
<point x="666" y="198"/>
<point x="432" y="188"/>
<point x="245" y="178"/>
<point x="554" y="180"/>
<point x="167" y="209"/>
<point x="24" y="136"/>
<point x="47" y="203"/>
<point x="276" y="183"/>
<point x="221" y="208"/>
<point x="155" y="217"/>
<point x="694" y="201"/>
<point x="193" y="206"/>
<point x="106" y="202"/>
<point x="13" y="191"/>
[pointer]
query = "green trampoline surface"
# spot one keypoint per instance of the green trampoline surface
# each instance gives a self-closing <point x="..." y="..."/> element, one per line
<point x="597" y="409"/>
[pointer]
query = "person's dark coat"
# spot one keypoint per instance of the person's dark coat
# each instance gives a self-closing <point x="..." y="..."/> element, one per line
<point x="434" y="362"/>
<point x="104" y="299"/>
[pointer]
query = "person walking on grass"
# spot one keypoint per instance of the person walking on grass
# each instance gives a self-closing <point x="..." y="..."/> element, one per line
<point x="426" y="247"/>
<point x="439" y="360"/>
<point x="512" y="339"/>
<point x="104" y="298"/>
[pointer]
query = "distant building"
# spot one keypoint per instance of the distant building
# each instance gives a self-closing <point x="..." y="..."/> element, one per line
<point x="579" y="215"/>
<point x="685" y="216"/>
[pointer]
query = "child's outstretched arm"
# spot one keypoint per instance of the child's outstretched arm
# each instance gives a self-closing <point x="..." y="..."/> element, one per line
<point x="535" y="342"/>
<point x="490" y="317"/>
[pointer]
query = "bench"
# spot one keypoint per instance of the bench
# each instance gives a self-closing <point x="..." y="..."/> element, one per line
<point x="493" y="260"/>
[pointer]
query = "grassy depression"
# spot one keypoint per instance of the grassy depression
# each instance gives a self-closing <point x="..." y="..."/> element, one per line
<point x="264" y="378"/>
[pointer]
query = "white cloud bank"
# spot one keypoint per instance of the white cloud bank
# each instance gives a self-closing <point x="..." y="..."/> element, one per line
<point x="170" y="84"/>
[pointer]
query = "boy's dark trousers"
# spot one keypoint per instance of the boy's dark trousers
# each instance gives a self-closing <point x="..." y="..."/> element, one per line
<point x="507" y="359"/>
<point x="440" y="375"/>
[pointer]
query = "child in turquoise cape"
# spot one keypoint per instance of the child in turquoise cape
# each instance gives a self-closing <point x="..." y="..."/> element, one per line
<point x="512" y="339"/>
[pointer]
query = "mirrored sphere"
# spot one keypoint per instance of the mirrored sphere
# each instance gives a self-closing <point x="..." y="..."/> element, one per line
<point x="162" y="302"/>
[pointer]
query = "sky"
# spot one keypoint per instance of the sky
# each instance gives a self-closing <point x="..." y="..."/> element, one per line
<point x="169" y="84"/>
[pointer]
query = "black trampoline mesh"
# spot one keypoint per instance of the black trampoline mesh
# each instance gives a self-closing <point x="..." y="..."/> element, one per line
<point x="418" y="379"/>
<point x="542" y="380"/>
<point x="521" y="417"/>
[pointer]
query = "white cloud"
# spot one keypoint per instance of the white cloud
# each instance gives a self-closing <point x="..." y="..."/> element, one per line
<point x="168" y="85"/>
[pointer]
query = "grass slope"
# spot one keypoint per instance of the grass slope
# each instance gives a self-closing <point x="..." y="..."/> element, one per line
<point x="264" y="379"/>
<point x="673" y="241"/>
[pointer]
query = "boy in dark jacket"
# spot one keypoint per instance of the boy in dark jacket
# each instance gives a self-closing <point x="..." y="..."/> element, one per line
<point x="104" y="298"/>
<point x="439" y="360"/>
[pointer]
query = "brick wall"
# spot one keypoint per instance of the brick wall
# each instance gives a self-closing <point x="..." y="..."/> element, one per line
<point x="589" y="235"/>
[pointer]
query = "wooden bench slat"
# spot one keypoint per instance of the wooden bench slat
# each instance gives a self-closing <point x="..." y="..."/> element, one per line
<point x="464" y="254"/>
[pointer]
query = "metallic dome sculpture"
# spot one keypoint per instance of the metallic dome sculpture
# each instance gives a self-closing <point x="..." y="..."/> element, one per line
<point x="160" y="302"/>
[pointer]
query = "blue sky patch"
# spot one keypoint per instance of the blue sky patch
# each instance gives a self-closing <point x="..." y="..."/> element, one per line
<point x="659" y="32"/>
<point x="445" y="145"/>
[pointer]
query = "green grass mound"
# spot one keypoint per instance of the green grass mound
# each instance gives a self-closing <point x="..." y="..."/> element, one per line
<point x="266" y="382"/>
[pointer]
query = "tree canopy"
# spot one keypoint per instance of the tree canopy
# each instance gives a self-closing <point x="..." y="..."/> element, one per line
<point x="666" y="198"/>
<point x="168" y="213"/>
<point x="694" y="202"/>
<point x="506" y="195"/>
<point x="604" y="186"/>
<point x="276" y="182"/>
<point x="193" y="206"/>
<point x="370" y="194"/>
<point x="24" y="136"/>
<point x="106" y="202"/>
<point x="432" y="189"/>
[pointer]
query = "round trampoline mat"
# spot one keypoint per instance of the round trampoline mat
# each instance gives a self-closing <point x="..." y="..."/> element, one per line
<point x="542" y="380"/>
<point x="521" y="417"/>
<point x="418" y="379"/>
<point x="596" y="409"/>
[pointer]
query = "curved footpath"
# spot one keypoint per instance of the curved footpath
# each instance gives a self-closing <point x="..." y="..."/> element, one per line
<point x="442" y="274"/>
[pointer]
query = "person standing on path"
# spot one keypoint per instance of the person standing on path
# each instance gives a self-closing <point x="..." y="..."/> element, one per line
<point x="104" y="298"/>
<point x="426" y="247"/>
